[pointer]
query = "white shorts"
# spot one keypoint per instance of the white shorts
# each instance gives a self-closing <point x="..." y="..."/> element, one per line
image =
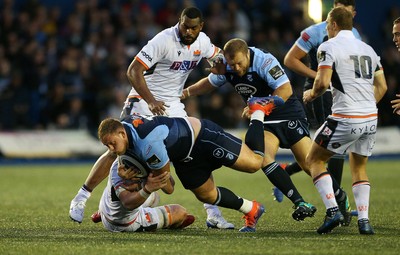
<point x="136" y="105"/>
<point x="346" y="134"/>
<point x="146" y="219"/>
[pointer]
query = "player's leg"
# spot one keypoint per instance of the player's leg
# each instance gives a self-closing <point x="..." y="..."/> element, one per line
<point x="253" y="145"/>
<point x="280" y="178"/>
<point x="361" y="190"/>
<point x="224" y="197"/>
<point x="98" y="173"/>
<point x="175" y="216"/>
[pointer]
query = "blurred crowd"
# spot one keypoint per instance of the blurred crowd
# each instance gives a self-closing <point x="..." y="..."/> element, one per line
<point x="68" y="71"/>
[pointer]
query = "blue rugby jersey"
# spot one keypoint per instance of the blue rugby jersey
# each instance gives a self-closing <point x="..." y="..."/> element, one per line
<point x="265" y="74"/>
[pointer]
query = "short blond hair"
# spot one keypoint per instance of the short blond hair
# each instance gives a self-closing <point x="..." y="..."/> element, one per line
<point x="109" y="126"/>
<point x="342" y="17"/>
<point x="235" y="45"/>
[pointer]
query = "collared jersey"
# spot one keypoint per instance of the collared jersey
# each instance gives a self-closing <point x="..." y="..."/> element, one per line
<point x="309" y="41"/>
<point x="168" y="62"/>
<point x="264" y="76"/>
<point x="353" y="63"/>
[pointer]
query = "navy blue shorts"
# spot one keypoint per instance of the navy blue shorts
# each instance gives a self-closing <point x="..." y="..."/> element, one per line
<point x="288" y="132"/>
<point x="213" y="149"/>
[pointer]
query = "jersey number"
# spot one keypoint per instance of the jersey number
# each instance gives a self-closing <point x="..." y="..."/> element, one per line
<point x="362" y="66"/>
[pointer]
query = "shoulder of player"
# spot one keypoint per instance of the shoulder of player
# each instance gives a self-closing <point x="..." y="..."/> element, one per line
<point x="263" y="59"/>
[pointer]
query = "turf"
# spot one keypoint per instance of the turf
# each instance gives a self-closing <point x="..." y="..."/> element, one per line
<point x="35" y="201"/>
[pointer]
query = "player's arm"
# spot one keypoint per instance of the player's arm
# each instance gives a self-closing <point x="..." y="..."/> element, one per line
<point x="168" y="188"/>
<point x="321" y="84"/>
<point x="135" y="76"/>
<point x="133" y="199"/>
<point x="380" y="86"/>
<point x="396" y="105"/>
<point x="201" y="87"/>
<point x="284" y="91"/>
<point x="293" y="60"/>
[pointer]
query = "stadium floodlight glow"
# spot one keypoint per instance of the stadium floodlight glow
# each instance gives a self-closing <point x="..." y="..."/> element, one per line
<point x="315" y="10"/>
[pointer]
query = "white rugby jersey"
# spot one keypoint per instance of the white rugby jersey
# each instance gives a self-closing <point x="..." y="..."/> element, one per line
<point x="169" y="62"/>
<point x="353" y="63"/>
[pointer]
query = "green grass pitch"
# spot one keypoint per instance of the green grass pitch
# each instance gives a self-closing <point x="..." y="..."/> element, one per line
<point x="34" y="204"/>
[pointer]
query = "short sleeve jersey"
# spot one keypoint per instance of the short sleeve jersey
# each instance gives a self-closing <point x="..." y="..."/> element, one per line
<point x="353" y="73"/>
<point x="309" y="41"/>
<point x="168" y="62"/>
<point x="264" y="76"/>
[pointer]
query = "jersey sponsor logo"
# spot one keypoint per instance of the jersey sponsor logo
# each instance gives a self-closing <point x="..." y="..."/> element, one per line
<point x="266" y="63"/>
<point x="336" y="145"/>
<point x="276" y="72"/>
<point x="184" y="66"/>
<point x="218" y="153"/>
<point x="321" y="56"/>
<point x="146" y="56"/>
<point x="305" y="37"/>
<point x="197" y="53"/>
<point x="179" y="53"/>
<point x="245" y="89"/>
<point x="153" y="160"/>
<point x="250" y="77"/>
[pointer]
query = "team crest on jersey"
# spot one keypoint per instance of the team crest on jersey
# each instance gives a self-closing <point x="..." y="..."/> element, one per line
<point x="250" y="77"/>
<point x="183" y="66"/>
<point x="321" y="55"/>
<point x="276" y="72"/>
<point x="197" y="53"/>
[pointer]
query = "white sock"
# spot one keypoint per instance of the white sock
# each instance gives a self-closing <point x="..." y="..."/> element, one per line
<point x="324" y="187"/>
<point x="246" y="206"/>
<point x="361" y="192"/>
<point x="257" y="115"/>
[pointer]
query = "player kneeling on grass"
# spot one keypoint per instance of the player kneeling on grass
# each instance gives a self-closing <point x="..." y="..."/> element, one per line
<point x="196" y="148"/>
<point x="131" y="205"/>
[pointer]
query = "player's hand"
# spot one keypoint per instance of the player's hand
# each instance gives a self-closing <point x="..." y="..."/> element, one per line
<point x="157" y="107"/>
<point x="246" y="112"/>
<point x="396" y="105"/>
<point x="307" y="96"/>
<point x="156" y="182"/>
<point x="127" y="173"/>
<point x="218" y="67"/>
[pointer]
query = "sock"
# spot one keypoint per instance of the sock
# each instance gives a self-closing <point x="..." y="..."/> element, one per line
<point x="339" y="192"/>
<point x="361" y="190"/>
<point x="323" y="183"/>
<point x="280" y="179"/>
<point x="335" y="167"/>
<point x="246" y="207"/>
<point x="228" y="199"/>
<point x="253" y="136"/>
<point x="293" y="168"/>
